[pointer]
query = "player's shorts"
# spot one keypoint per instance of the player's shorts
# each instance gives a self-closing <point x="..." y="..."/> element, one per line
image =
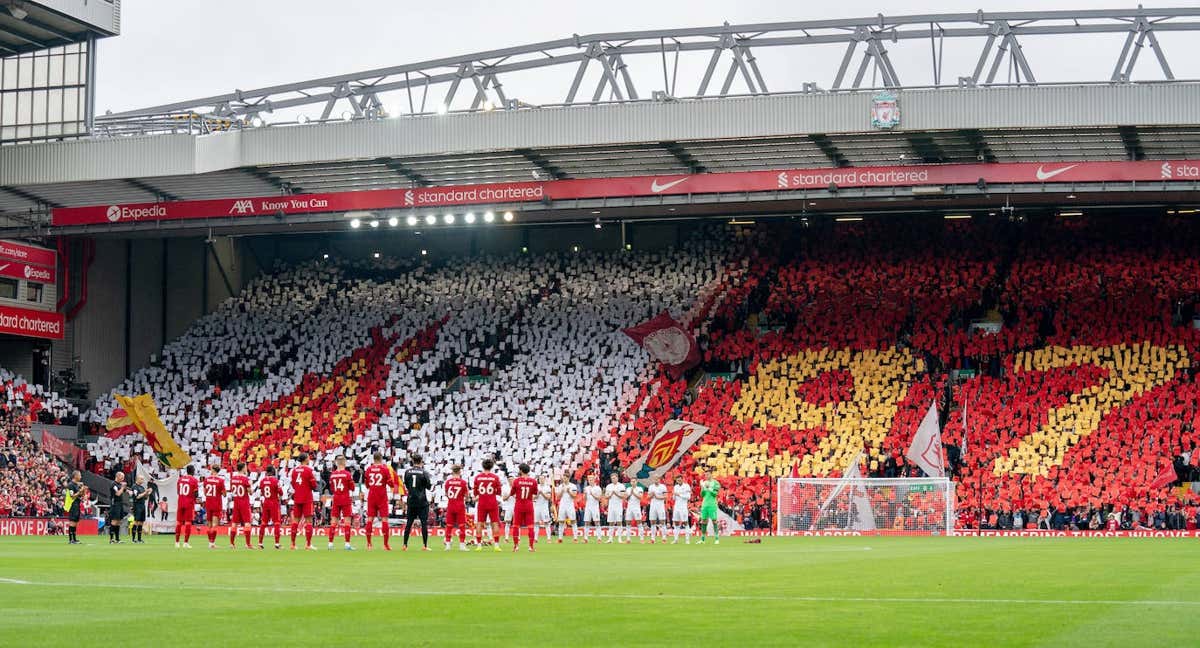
<point x="186" y="512"/>
<point x="680" y="514"/>
<point x="633" y="513"/>
<point x="658" y="512"/>
<point x="269" y="514"/>
<point x="522" y="517"/>
<point x="488" y="514"/>
<point x="456" y="517"/>
<point x="508" y="513"/>
<point x="566" y="512"/>
<point x="708" y="512"/>
<point x="213" y="514"/>
<point x="616" y="514"/>
<point x="377" y="508"/>
<point x="345" y="509"/>
<point x="591" y="514"/>
<point x="541" y="514"/>
<point x="302" y="510"/>
<point x="241" y="514"/>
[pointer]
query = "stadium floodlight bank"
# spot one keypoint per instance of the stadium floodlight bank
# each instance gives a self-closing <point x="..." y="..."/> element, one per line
<point x="910" y="506"/>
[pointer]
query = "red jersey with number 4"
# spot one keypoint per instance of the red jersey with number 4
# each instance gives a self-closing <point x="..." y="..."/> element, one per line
<point x="487" y="490"/>
<point x="304" y="482"/>
<point x="379" y="477"/>
<point x="239" y="490"/>
<point x="186" y="488"/>
<point x="214" y="490"/>
<point x="268" y="488"/>
<point x="456" y="494"/>
<point x="524" y="489"/>
<point x="341" y="482"/>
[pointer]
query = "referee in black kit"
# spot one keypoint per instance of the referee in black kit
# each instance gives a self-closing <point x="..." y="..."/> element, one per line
<point x="417" y="482"/>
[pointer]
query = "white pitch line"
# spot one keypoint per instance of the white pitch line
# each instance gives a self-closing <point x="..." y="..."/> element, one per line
<point x="598" y="595"/>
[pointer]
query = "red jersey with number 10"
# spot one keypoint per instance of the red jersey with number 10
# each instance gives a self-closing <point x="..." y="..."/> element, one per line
<point x="487" y="489"/>
<point x="304" y="482"/>
<point x="186" y="488"/>
<point x="341" y="482"/>
<point x="379" y="477"/>
<point x="524" y="489"/>
<point x="456" y="494"/>
<point x="239" y="490"/>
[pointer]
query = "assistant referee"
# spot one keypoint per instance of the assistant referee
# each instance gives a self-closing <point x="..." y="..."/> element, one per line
<point x="417" y="482"/>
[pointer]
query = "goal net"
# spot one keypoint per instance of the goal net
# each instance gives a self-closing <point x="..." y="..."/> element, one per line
<point x="899" y="506"/>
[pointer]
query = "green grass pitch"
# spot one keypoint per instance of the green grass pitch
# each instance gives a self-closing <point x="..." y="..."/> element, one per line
<point x="783" y="592"/>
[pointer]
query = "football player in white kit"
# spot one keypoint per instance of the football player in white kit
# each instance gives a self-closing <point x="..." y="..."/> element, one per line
<point x="507" y="502"/>
<point x="682" y="494"/>
<point x="566" y="491"/>
<point x="615" y="494"/>
<point x="591" y="509"/>
<point x="633" y="512"/>
<point x="541" y="509"/>
<point x="658" y="510"/>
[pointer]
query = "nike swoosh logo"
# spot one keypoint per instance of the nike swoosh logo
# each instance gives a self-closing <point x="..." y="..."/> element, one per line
<point x="5" y="266"/>
<point x="1046" y="175"/>
<point x="659" y="188"/>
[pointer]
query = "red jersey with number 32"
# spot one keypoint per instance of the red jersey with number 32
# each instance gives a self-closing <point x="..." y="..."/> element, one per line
<point x="379" y="477"/>
<point x="524" y="488"/>
<point x="186" y="488"/>
<point x="303" y="484"/>
<point x="214" y="490"/>
<point x="456" y="494"/>
<point x="239" y="490"/>
<point x="487" y="489"/>
<point x="269" y="489"/>
<point x="341" y="482"/>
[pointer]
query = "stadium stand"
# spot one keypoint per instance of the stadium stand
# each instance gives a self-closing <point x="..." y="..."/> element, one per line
<point x="30" y="479"/>
<point x="1065" y="346"/>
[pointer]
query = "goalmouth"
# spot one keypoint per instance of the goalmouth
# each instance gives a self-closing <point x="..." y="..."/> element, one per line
<point x="856" y="504"/>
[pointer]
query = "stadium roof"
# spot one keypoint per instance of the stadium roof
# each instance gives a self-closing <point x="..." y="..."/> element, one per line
<point x="32" y="25"/>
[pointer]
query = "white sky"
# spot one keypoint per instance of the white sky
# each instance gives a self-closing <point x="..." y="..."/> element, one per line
<point x="171" y="50"/>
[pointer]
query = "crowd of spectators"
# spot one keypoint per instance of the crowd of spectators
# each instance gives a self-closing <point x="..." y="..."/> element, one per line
<point x="31" y="481"/>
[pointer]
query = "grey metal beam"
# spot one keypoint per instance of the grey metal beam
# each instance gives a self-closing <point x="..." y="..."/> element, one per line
<point x="829" y="149"/>
<point x="1132" y="142"/>
<point x="540" y="161"/>
<point x="149" y="188"/>
<point x="399" y="167"/>
<point x="684" y="157"/>
<point x="30" y="196"/>
<point x="975" y="138"/>
<point x="927" y="148"/>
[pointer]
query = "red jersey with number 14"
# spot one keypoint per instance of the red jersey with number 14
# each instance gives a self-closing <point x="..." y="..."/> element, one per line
<point x="456" y="494"/>
<point x="487" y="489"/>
<point x="524" y="489"/>
<point x="341" y="482"/>
<point x="379" y="477"/>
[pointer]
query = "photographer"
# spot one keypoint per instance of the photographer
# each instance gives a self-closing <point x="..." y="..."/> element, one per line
<point x="116" y="508"/>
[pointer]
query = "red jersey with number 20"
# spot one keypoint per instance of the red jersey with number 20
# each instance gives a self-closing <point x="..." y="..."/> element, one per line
<point x="239" y="490"/>
<point x="456" y="494"/>
<point x="487" y="489"/>
<point x="524" y="489"/>
<point x="304" y="482"/>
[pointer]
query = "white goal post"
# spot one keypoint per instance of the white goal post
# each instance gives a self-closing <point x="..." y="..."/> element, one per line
<point x="883" y="506"/>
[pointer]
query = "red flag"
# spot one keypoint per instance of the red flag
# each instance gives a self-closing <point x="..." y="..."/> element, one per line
<point x="119" y="424"/>
<point x="668" y="342"/>
<point x="1165" y="478"/>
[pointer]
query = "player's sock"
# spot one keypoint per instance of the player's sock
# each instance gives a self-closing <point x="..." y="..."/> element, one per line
<point x="369" y="528"/>
<point x="232" y="536"/>
<point x="532" y="535"/>
<point x="278" y="532"/>
<point x="407" y="530"/>
<point x="346" y="531"/>
<point x="292" y="530"/>
<point x="308" y="534"/>
<point x="246" y="532"/>
<point x="516" y="538"/>
<point x="178" y="530"/>
<point x="387" y="533"/>
<point x="262" y="533"/>
<point x="424" y="535"/>
<point x="331" y="531"/>
<point x="187" y="532"/>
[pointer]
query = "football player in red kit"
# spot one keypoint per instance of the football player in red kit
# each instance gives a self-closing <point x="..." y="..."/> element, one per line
<point x="186" y="490"/>
<point x="303" y="482"/>
<point x="378" y="478"/>
<point x="268" y="512"/>
<point x="239" y="492"/>
<point x="524" y="490"/>
<point x="456" y="507"/>
<point x="214" y="501"/>
<point x="487" y="505"/>
<point x="341" y="484"/>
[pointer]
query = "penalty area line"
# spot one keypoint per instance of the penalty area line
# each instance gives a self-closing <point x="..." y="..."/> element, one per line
<point x="601" y="595"/>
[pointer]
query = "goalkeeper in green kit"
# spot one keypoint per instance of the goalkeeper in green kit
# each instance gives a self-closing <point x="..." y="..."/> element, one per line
<point x="709" y="488"/>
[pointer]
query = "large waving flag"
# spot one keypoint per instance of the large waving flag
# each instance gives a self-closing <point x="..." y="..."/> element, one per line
<point x="926" y="448"/>
<point x="675" y="438"/>
<point x="119" y="424"/>
<point x="668" y="342"/>
<point x="141" y="413"/>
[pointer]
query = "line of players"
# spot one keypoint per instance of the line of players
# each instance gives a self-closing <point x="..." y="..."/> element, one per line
<point x="526" y="505"/>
